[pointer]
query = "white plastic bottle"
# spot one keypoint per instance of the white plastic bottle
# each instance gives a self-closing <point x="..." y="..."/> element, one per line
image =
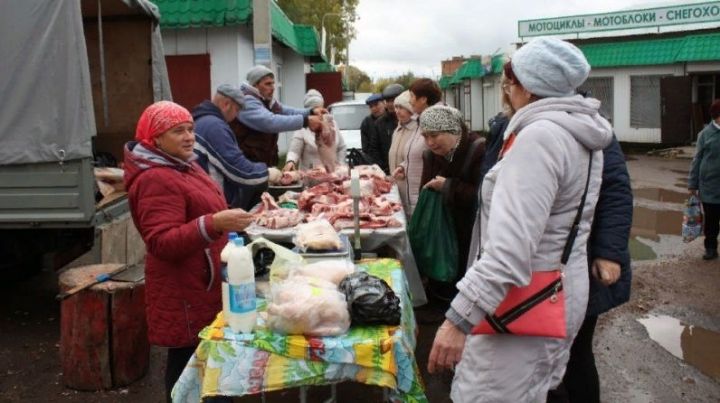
<point x="225" y="286"/>
<point x="241" y="313"/>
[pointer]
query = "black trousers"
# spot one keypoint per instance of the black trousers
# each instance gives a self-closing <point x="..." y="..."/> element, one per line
<point x="581" y="383"/>
<point x="177" y="358"/>
<point x="711" y="224"/>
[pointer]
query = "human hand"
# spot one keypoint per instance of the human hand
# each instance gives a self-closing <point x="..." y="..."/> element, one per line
<point x="231" y="220"/>
<point x="693" y="192"/>
<point x="399" y="173"/>
<point x="605" y="271"/>
<point x="435" y="184"/>
<point x="319" y="111"/>
<point x="315" y="123"/>
<point x="447" y="348"/>
<point x="274" y="175"/>
<point x="289" y="166"/>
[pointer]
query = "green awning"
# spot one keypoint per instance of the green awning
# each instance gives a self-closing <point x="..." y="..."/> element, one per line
<point x="202" y="14"/>
<point x="323" y="68"/>
<point x="691" y="48"/>
<point x="498" y="61"/>
<point x="444" y="82"/>
<point x="303" y="39"/>
<point x="472" y="68"/>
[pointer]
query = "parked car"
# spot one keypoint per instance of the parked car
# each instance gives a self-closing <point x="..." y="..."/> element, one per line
<point x="349" y="116"/>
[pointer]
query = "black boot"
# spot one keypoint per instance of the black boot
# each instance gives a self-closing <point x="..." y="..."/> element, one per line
<point x="710" y="254"/>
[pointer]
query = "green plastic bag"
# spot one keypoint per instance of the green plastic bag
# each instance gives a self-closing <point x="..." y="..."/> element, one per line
<point x="432" y="237"/>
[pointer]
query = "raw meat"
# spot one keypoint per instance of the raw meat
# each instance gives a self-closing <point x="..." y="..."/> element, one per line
<point x="309" y="306"/>
<point x="332" y="270"/>
<point x="271" y="215"/>
<point x="317" y="235"/>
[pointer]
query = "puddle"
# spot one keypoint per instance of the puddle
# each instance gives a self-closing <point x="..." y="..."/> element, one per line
<point x="640" y="251"/>
<point x="695" y="345"/>
<point x="650" y="223"/>
<point x="663" y="195"/>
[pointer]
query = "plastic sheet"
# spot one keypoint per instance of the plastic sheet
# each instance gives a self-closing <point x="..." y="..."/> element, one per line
<point x="307" y="306"/>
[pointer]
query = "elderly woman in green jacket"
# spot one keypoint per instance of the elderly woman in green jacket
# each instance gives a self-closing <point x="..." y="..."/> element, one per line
<point x="704" y="179"/>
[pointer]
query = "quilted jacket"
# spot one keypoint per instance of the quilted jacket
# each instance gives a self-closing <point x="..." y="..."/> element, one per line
<point x="172" y="203"/>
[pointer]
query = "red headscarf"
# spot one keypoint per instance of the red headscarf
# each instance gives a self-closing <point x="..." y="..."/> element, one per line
<point x="159" y="118"/>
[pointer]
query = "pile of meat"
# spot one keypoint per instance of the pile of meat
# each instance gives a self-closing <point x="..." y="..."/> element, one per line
<point x="271" y="215"/>
<point x="330" y="199"/>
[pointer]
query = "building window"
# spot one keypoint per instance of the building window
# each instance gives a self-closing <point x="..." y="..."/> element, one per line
<point x="645" y="102"/>
<point x="601" y="88"/>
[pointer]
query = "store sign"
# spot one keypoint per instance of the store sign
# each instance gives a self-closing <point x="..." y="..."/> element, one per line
<point x="647" y="18"/>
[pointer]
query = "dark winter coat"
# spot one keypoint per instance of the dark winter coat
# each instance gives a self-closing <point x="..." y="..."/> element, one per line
<point x="381" y="139"/>
<point x="494" y="142"/>
<point x="219" y="155"/>
<point x="460" y="189"/>
<point x="610" y="232"/>
<point x="172" y="203"/>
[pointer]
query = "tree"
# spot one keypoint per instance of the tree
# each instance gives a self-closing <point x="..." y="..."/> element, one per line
<point x="356" y="78"/>
<point x="340" y="29"/>
<point x="405" y="80"/>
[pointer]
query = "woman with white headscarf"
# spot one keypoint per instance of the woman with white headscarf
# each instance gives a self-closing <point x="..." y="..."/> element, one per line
<point x="548" y="175"/>
<point x="303" y="152"/>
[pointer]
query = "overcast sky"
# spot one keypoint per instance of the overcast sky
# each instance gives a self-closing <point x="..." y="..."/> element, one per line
<point x="394" y="36"/>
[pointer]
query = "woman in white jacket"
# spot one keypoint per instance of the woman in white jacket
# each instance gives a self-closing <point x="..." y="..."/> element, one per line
<point x="303" y="151"/>
<point x="422" y="93"/>
<point x="529" y="200"/>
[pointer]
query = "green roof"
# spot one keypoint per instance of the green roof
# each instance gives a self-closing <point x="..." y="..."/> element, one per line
<point x="444" y="81"/>
<point x="323" y="68"/>
<point x="201" y="14"/>
<point x="472" y="68"/>
<point x="222" y="13"/>
<point x="689" y="48"/>
<point x="498" y="61"/>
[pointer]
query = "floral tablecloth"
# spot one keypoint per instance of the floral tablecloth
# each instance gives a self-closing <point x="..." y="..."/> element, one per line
<point x="231" y="364"/>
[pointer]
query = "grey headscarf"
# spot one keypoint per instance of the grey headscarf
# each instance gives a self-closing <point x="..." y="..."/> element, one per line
<point x="441" y="118"/>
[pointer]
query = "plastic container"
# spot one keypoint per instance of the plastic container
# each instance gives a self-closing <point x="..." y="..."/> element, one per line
<point x="238" y="291"/>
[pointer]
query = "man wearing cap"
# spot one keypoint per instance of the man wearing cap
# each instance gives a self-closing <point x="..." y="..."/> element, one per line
<point x="242" y="180"/>
<point x="377" y="108"/>
<point x="262" y="117"/>
<point x="381" y="138"/>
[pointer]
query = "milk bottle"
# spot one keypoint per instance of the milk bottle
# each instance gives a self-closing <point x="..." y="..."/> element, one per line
<point x="239" y="300"/>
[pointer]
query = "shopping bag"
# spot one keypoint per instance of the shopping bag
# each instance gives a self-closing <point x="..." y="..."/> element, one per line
<point x="432" y="237"/>
<point x="692" y="224"/>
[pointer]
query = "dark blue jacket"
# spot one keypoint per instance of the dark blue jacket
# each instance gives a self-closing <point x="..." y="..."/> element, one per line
<point x="493" y="144"/>
<point x="610" y="232"/>
<point x="220" y="156"/>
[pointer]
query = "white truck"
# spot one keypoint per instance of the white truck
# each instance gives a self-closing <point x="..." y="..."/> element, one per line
<point x="74" y="77"/>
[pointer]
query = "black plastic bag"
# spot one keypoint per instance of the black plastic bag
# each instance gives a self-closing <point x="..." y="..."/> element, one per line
<point x="371" y="300"/>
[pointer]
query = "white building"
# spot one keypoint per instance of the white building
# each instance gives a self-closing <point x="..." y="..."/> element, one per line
<point x="208" y="43"/>
<point x="657" y="84"/>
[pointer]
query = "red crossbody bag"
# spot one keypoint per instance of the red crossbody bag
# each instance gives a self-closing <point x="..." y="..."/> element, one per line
<point x="539" y="308"/>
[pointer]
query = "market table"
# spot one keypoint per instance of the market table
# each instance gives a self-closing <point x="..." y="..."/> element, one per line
<point x="371" y="239"/>
<point x="226" y="363"/>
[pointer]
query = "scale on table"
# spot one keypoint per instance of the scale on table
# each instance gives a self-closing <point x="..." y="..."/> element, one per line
<point x="355" y="194"/>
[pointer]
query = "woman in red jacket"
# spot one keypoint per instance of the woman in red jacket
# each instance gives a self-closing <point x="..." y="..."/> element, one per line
<point x="182" y="217"/>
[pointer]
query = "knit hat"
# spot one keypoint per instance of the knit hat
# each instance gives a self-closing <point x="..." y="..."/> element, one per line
<point x="257" y="73"/>
<point x="159" y="118"/>
<point x="403" y="100"/>
<point x="441" y="118"/>
<point x="550" y="67"/>
<point x="313" y="99"/>
<point x="232" y="92"/>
